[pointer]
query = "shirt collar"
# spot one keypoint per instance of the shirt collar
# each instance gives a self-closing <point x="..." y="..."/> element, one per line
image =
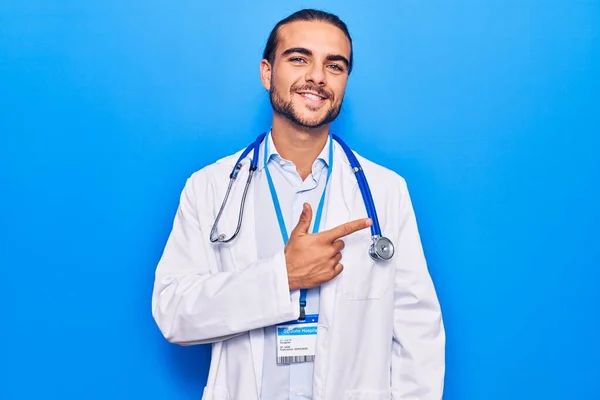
<point x="273" y="155"/>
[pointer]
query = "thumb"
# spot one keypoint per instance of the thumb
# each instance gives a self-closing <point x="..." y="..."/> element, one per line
<point x="304" y="220"/>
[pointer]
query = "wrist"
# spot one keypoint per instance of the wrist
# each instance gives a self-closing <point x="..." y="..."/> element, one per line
<point x="292" y="283"/>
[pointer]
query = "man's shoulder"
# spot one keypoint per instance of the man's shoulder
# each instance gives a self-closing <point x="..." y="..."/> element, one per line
<point x="381" y="174"/>
<point x="220" y="167"/>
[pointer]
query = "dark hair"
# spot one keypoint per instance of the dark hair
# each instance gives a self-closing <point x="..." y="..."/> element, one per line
<point x="305" y="15"/>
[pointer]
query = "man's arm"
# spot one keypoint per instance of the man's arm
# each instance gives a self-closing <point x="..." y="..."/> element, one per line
<point x="193" y="302"/>
<point x="418" y="350"/>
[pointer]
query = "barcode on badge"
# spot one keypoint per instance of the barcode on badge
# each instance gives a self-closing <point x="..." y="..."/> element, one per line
<point x="294" y="359"/>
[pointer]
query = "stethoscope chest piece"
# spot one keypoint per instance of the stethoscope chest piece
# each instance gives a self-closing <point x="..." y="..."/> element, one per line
<point x="381" y="249"/>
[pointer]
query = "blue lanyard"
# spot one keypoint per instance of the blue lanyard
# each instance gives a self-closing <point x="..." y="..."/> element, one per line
<point x="276" y="204"/>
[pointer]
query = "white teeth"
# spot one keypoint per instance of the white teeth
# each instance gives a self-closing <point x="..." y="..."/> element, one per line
<point x="311" y="96"/>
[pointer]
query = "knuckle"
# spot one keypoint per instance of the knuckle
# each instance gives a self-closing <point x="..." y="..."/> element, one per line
<point x="347" y="229"/>
<point x="332" y="251"/>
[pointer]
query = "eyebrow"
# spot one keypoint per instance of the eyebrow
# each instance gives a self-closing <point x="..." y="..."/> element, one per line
<point x="308" y="53"/>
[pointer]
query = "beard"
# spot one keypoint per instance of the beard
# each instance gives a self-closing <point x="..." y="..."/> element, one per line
<point x="287" y="110"/>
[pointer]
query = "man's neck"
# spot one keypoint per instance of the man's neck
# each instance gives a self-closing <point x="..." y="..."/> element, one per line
<point x="300" y="145"/>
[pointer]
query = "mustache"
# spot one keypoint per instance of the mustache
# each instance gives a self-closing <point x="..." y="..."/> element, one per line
<point x="319" y="90"/>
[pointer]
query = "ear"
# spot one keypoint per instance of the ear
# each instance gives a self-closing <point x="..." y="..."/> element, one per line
<point x="265" y="74"/>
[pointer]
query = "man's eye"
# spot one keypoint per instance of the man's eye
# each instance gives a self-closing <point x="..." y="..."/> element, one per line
<point x="336" y="67"/>
<point x="297" y="59"/>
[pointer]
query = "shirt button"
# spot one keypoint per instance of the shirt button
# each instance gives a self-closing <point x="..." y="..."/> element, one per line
<point x="281" y="162"/>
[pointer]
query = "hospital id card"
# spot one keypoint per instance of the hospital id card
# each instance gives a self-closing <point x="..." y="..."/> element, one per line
<point x="296" y="340"/>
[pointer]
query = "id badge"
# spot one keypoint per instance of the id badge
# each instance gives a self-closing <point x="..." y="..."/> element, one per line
<point x="296" y="340"/>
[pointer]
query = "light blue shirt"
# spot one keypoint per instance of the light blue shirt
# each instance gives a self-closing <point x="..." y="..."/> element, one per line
<point x="291" y="381"/>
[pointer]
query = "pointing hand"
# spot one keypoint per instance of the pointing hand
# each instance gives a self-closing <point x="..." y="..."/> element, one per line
<point x="313" y="259"/>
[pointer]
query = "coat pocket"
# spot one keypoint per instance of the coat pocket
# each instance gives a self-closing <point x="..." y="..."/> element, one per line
<point x="368" y="394"/>
<point x="215" y="393"/>
<point x="365" y="279"/>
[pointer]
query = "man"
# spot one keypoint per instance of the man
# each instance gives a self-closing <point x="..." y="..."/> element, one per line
<point x="294" y="306"/>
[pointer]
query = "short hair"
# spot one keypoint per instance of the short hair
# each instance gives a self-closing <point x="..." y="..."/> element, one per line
<point x="306" y="15"/>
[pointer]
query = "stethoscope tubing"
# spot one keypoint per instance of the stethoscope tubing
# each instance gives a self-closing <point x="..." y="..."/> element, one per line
<point x="363" y="185"/>
<point x="381" y="245"/>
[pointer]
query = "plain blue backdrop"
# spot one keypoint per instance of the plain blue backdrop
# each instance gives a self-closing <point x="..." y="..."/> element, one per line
<point x="489" y="109"/>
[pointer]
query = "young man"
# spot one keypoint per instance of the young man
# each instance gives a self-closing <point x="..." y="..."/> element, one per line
<point x="294" y="305"/>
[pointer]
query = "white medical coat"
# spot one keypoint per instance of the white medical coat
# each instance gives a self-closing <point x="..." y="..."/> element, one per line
<point x="380" y="332"/>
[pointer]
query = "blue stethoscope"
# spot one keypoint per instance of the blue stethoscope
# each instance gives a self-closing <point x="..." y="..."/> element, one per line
<point x="381" y="249"/>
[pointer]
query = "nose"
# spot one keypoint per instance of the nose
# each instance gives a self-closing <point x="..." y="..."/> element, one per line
<point x="316" y="75"/>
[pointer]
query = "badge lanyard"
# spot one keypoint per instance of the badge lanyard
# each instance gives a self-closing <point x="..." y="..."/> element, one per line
<point x="280" y="220"/>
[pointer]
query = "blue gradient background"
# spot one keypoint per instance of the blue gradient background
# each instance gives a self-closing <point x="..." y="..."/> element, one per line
<point x="489" y="109"/>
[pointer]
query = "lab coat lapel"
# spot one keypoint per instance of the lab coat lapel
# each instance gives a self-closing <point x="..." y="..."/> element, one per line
<point x="244" y="252"/>
<point x="341" y="193"/>
<point x="342" y="188"/>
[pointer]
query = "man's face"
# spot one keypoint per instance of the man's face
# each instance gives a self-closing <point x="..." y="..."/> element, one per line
<point x="308" y="78"/>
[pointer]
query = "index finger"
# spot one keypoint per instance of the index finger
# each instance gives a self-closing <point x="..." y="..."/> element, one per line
<point x="346" y="229"/>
